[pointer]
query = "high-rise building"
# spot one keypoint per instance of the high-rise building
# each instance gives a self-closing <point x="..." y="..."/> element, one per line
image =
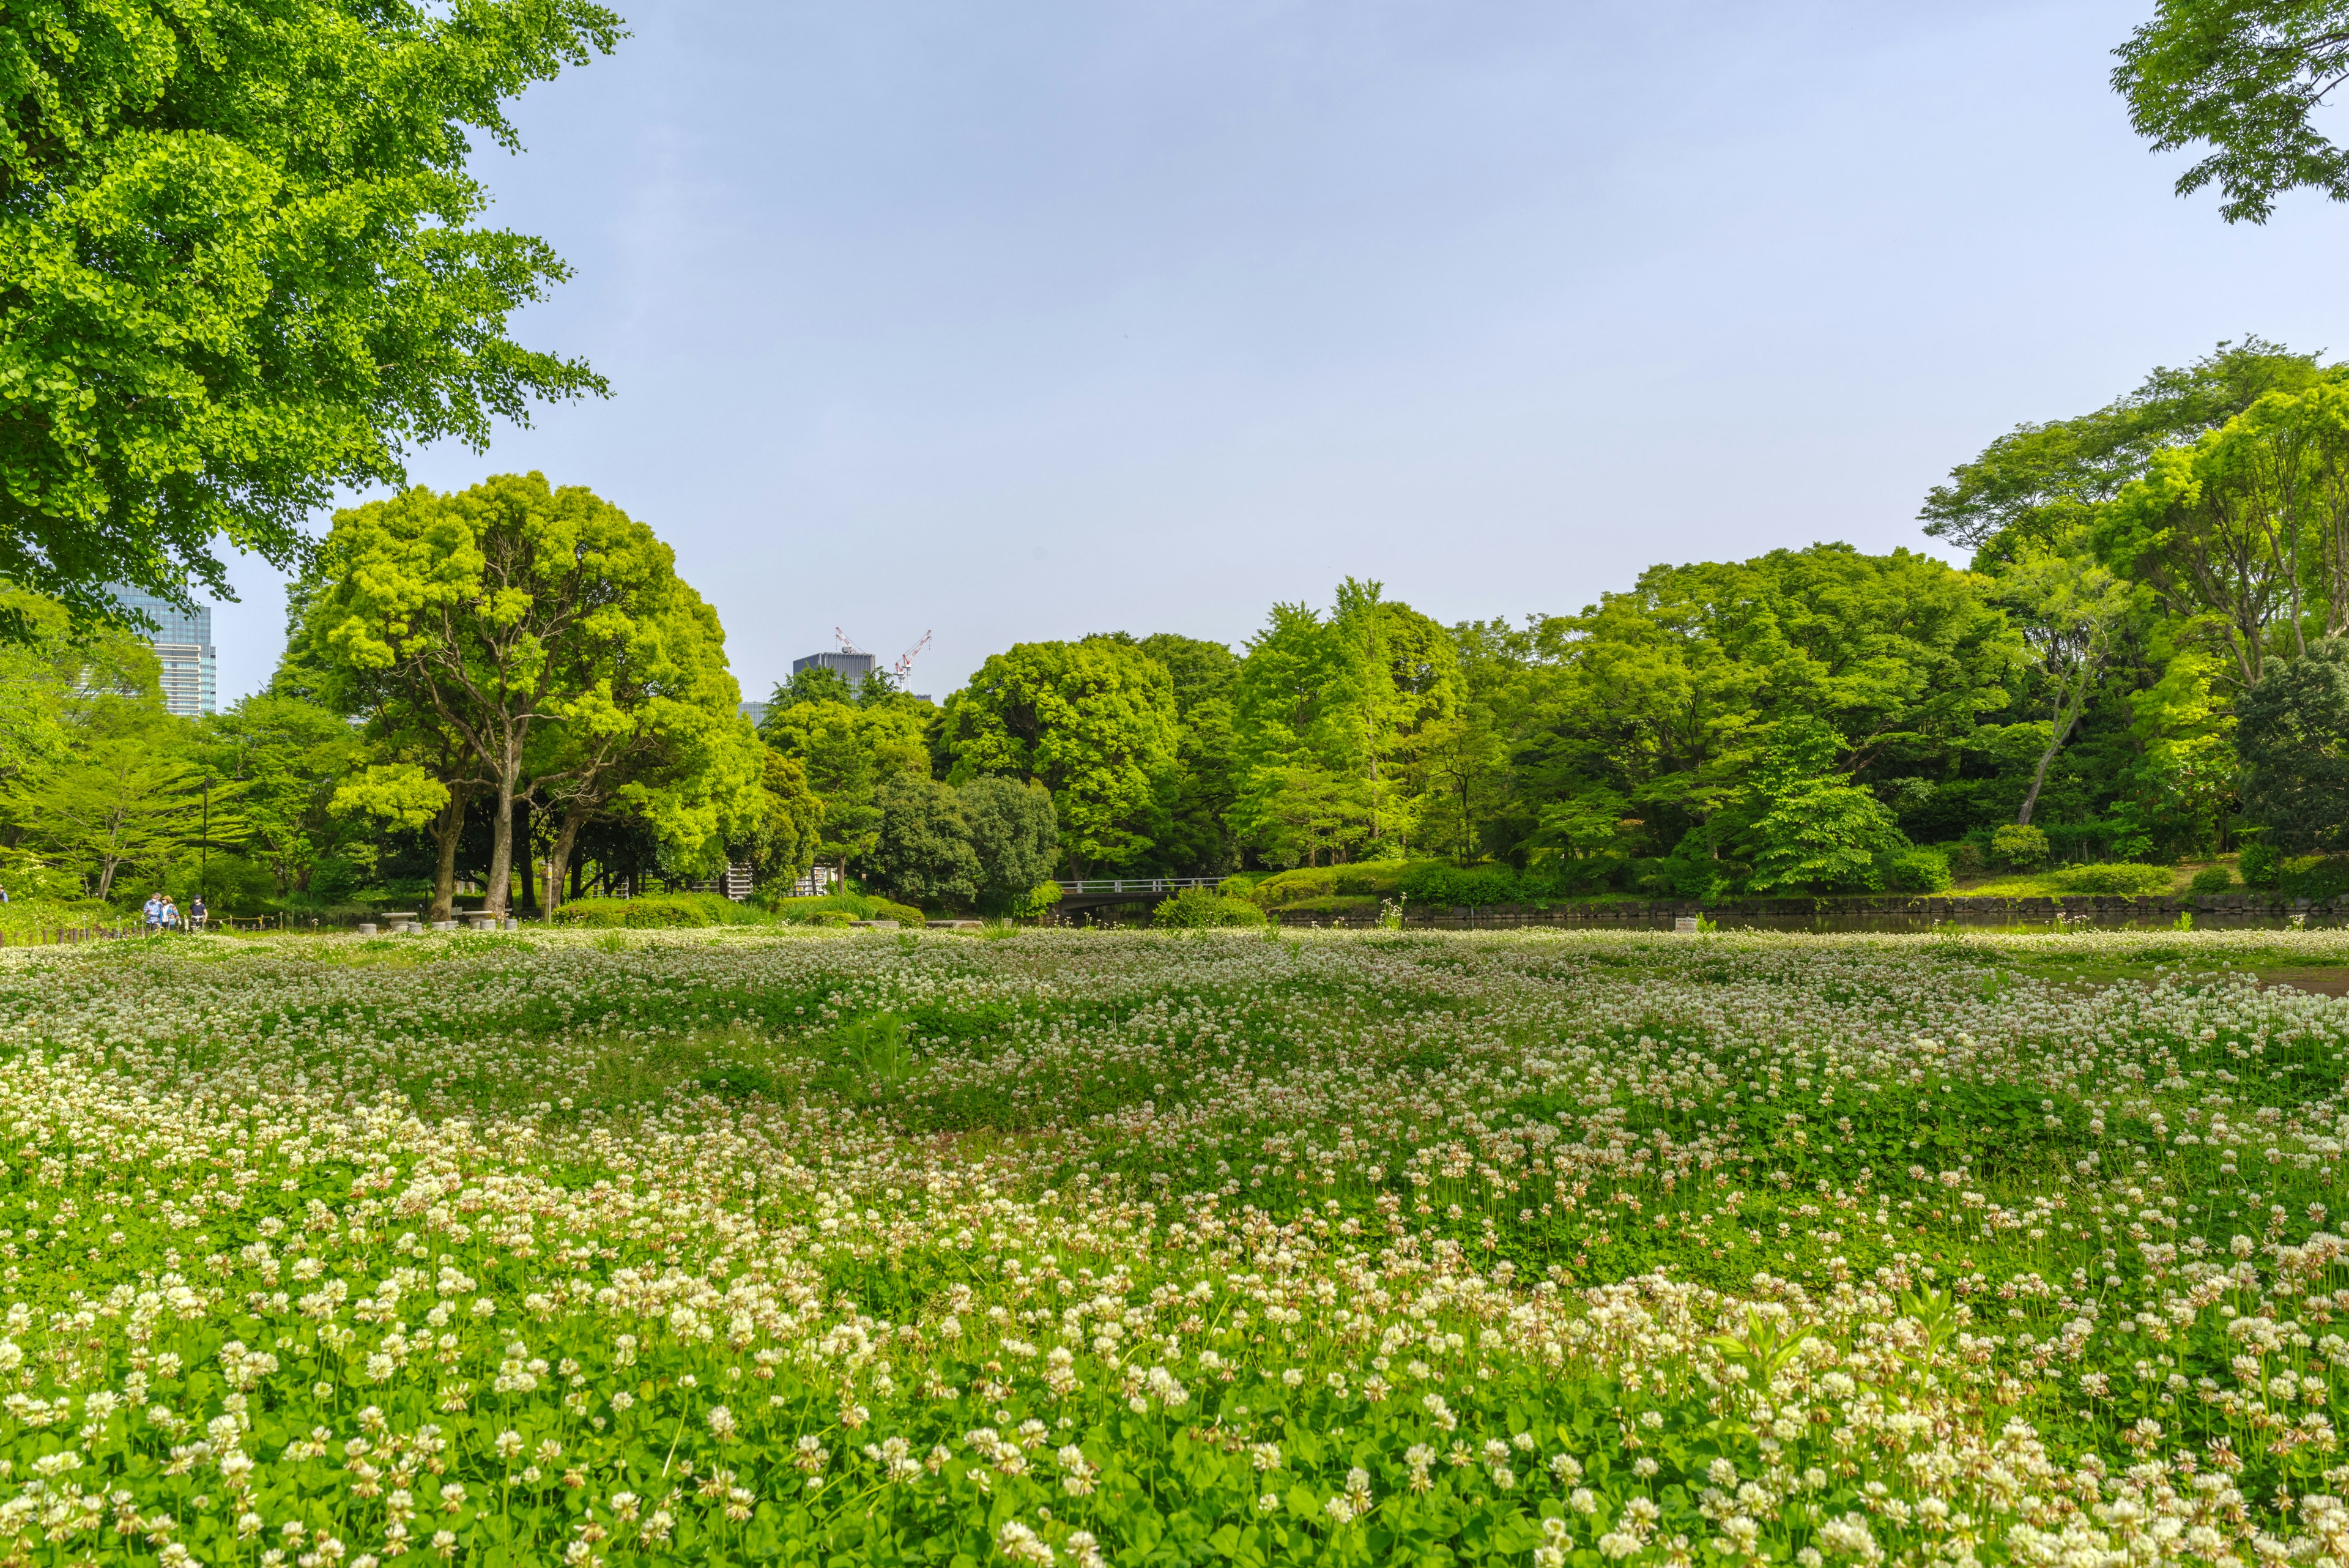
<point x="184" y="643"/>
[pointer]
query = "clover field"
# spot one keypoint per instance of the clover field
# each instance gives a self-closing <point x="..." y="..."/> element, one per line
<point x="1082" y="1247"/>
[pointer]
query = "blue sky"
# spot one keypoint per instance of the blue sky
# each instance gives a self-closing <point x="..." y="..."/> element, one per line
<point x="1022" y="321"/>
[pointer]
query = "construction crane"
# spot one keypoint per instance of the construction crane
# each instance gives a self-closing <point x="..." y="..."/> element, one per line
<point x="846" y="646"/>
<point x="905" y="665"/>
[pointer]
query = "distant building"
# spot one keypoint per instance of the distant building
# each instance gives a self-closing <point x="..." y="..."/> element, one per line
<point x="755" y="711"/>
<point x="184" y="643"/>
<point x="851" y="668"/>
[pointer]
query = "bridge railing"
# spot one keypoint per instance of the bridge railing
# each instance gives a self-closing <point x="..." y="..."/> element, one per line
<point x="1135" y="884"/>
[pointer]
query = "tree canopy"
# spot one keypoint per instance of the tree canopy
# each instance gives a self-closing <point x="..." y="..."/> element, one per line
<point x="243" y="269"/>
<point x="2244" y="78"/>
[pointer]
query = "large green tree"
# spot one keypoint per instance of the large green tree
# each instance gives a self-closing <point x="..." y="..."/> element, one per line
<point x="1199" y="837"/>
<point x="846" y="750"/>
<point x="1337" y="724"/>
<point x="2247" y="79"/>
<point x="483" y="615"/>
<point x="1016" y="835"/>
<point x="2040" y="485"/>
<point x="656" y="734"/>
<point x="126" y="795"/>
<point x="287" y="759"/>
<point x="1096" y="722"/>
<point x="2293" y="734"/>
<point x="2246" y="532"/>
<point x="922" y="852"/>
<point x="243" y="268"/>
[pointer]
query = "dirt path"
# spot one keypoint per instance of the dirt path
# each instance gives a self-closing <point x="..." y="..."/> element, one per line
<point x="2323" y="982"/>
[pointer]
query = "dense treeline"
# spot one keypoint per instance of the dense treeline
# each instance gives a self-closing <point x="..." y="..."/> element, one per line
<point x="511" y="688"/>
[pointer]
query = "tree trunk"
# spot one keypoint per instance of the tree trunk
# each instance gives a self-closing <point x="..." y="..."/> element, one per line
<point x="500" y="884"/>
<point x="579" y="877"/>
<point x="559" y="858"/>
<point x="2038" y="777"/>
<point x="446" y="833"/>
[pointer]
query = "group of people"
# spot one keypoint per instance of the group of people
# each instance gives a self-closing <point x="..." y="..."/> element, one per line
<point x="163" y="914"/>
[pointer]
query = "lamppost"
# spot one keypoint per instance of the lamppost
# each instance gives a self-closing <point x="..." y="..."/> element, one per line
<point x="205" y="846"/>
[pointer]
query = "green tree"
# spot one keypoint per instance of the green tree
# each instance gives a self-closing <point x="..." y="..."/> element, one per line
<point x="656" y="734"/>
<point x="1199" y="837"/>
<point x="286" y="759"/>
<point x="2240" y="531"/>
<point x="1665" y="696"/>
<point x="1811" y="830"/>
<point x="1016" y="835"/>
<point x="2293" y="734"/>
<point x="1344" y="713"/>
<point x="848" y="751"/>
<point x="480" y="616"/>
<point x="126" y="796"/>
<point x="780" y="842"/>
<point x="2246" y="78"/>
<point x="922" y="852"/>
<point x="2041" y="484"/>
<point x="2071" y="614"/>
<point x="243" y="268"/>
<point x="1093" y="722"/>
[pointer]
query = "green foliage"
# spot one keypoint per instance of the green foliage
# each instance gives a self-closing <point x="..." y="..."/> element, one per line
<point x="1812" y="832"/>
<point x="124" y="797"/>
<point x="2020" y="846"/>
<point x="1197" y="908"/>
<point x="1033" y="903"/>
<point x="922" y="852"/>
<point x="2121" y="877"/>
<point x="2041" y="485"/>
<point x="781" y="841"/>
<point x="2210" y="880"/>
<point x="1916" y="869"/>
<point x="259" y="220"/>
<point x="1436" y="884"/>
<point x="841" y="908"/>
<point x="659" y="911"/>
<point x="1015" y="836"/>
<point x="513" y="625"/>
<point x="23" y="918"/>
<point x="848" y="750"/>
<point x="2292" y="733"/>
<point x="2259" y="863"/>
<point x="2322" y="877"/>
<point x="2246" y="81"/>
<point x="1093" y="722"/>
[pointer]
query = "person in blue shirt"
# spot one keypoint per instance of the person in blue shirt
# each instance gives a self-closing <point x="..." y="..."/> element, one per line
<point x="154" y="913"/>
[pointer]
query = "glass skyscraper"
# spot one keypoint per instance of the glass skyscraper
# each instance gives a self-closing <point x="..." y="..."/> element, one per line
<point x="183" y="642"/>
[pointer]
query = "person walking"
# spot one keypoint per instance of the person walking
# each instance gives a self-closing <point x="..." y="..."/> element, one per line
<point x="154" y="913"/>
<point x="198" y="915"/>
<point x="170" y="913"/>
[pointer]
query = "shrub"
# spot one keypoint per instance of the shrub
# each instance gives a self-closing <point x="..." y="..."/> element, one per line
<point x="1967" y="859"/>
<point x="1916" y="869"/>
<point x="655" y="911"/>
<point x="2259" y="863"/>
<point x="1198" y="908"/>
<point x="847" y="907"/>
<point x="2117" y="876"/>
<point x="2024" y="848"/>
<point x="1453" y="887"/>
<point x="2319" y="876"/>
<point x="2211" y="880"/>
